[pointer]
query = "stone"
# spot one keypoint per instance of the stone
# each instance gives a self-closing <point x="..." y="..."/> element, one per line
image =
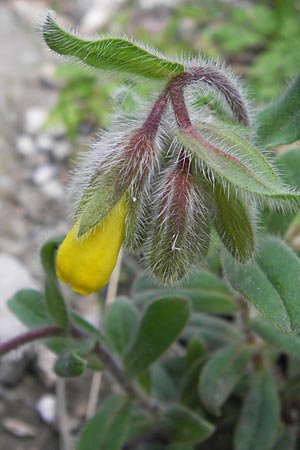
<point x="44" y="143"/>
<point x="53" y="189"/>
<point x="43" y="174"/>
<point x="25" y="145"/>
<point x="46" y="408"/>
<point x="34" y="119"/>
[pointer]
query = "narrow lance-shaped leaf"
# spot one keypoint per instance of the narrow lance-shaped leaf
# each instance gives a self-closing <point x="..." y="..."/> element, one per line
<point x="110" y="53"/>
<point x="271" y="283"/>
<point x="284" y="342"/>
<point x="55" y="301"/>
<point x="184" y="425"/>
<point x="258" y="424"/>
<point x="278" y="123"/>
<point x="238" y="163"/>
<point x="221" y="374"/>
<point x="160" y="326"/>
<point x="108" y="428"/>
<point x="233" y="223"/>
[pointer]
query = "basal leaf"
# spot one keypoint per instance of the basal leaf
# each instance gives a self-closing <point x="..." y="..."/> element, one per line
<point x="160" y="325"/>
<point x="206" y="291"/>
<point x="237" y="162"/>
<point x="184" y="425"/>
<point x="55" y="301"/>
<point x="271" y="283"/>
<point x="214" y="331"/>
<point x="278" y="123"/>
<point x="110" y="53"/>
<point x="286" y="439"/>
<point x="258" y="425"/>
<point x="221" y="374"/>
<point x="285" y="343"/>
<point x="108" y="428"/>
<point x="120" y="322"/>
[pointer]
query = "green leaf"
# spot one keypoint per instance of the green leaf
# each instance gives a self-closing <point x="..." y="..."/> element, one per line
<point x="214" y="331"/>
<point x="55" y="301"/>
<point x="69" y="365"/>
<point x="258" y="425"/>
<point x="110" y="53"/>
<point x="160" y="325"/>
<point x="183" y="425"/>
<point x="271" y="283"/>
<point x="120" y="322"/>
<point x="163" y="388"/>
<point x="206" y="291"/>
<point x="285" y="343"/>
<point x="108" y="428"/>
<point x="286" y="439"/>
<point x="189" y="384"/>
<point x="30" y="307"/>
<point x="237" y="162"/>
<point x="278" y="123"/>
<point x="233" y="223"/>
<point x="221" y="374"/>
<point x="288" y="164"/>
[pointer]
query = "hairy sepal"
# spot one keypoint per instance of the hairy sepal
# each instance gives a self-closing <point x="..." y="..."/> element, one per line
<point x="116" y="54"/>
<point x="240" y="165"/>
<point x="234" y="223"/>
<point x="181" y="223"/>
<point x="125" y="170"/>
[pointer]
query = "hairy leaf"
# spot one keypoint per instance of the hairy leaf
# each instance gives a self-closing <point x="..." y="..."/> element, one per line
<point x="110" y="53"/>
<point x="55" y="301"/>
<point x="271" y="283"/>
<point x="233" y="223"/>
<point x="184" y="425"/>
<point x="30" y="307"/>
<point x="258" y="425"/>
<point x="238" y="163"/>
<point x="108" y="428"/>
<point x="206" y="292"/>
<point x="160" y="325"/>
<point x="285" y="343"/>
<point x="221" y="374"/>
<point x="69" y="364"/>
<point x="278" y="123"/>
<point x="120" y="322"/>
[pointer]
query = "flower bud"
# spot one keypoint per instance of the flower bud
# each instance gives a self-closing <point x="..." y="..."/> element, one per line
<point x="181" y="224"/>
<point x="86" y="262"/>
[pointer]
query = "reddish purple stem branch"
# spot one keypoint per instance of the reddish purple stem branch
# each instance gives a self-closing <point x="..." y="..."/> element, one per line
<point x="29" y="336"/>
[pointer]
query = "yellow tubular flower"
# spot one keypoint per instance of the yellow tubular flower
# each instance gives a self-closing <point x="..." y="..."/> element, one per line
<point x="86" y="263"/>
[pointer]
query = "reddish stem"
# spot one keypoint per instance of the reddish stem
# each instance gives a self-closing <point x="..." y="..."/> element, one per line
<point x="152" y="122"/>
<point x="29" y="336"/>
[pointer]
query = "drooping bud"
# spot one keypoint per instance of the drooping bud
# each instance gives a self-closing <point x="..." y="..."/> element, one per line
<point x="86" y="262"/>
<point x="181" y="223"/>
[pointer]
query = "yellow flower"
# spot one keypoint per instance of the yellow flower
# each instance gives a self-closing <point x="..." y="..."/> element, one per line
<point x="86" y="263"/>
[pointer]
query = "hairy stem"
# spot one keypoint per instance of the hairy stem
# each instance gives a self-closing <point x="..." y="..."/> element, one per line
<point x="112" y="365"/>
<point x="129" y="387"/>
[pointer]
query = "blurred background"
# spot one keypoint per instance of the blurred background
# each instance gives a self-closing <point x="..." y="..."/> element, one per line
<point x="50" y="111"/>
